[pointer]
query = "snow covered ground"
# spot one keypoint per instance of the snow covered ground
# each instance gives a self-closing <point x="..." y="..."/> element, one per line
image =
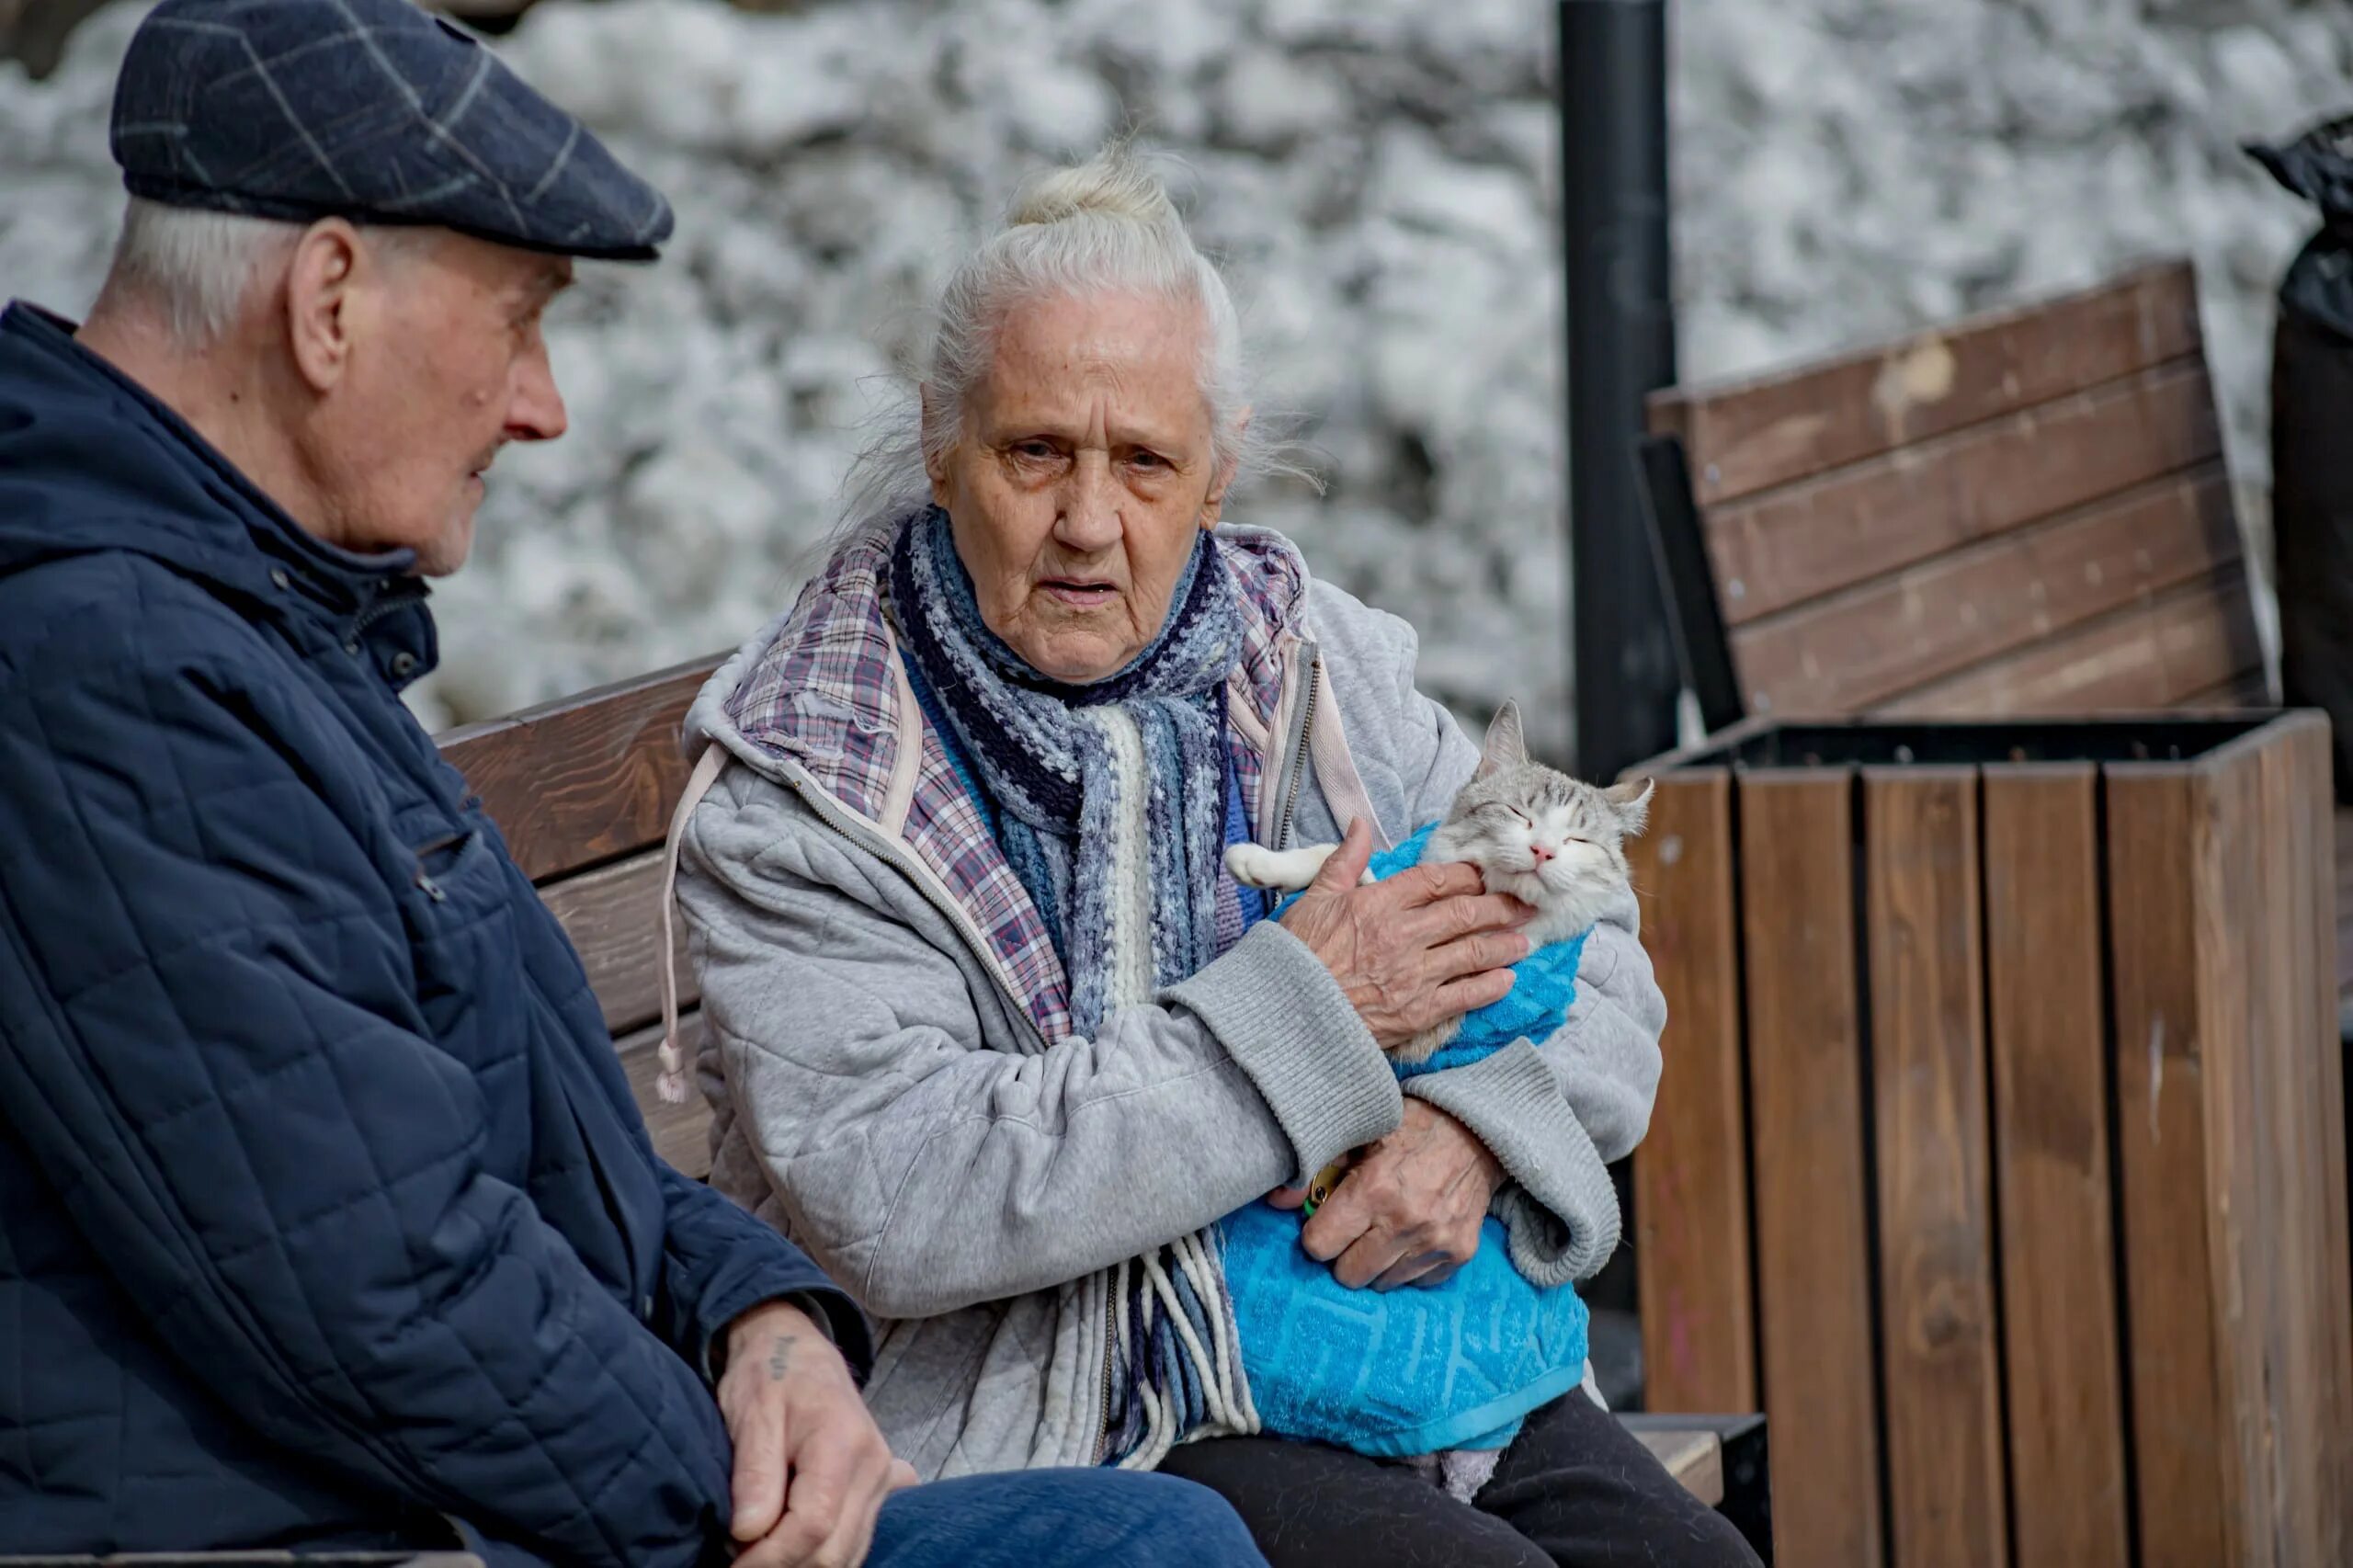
<point x="1382" y="174"/>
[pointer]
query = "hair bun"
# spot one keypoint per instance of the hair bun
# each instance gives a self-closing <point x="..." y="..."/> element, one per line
<point x="1112" y="183"/>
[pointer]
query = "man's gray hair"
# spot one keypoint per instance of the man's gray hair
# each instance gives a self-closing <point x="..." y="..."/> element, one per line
<point x="195" y="268"/>
<point x="1107" y="225"/>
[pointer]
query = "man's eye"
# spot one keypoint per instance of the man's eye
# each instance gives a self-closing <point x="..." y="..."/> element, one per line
<point x="1148" y="459"/>
<point x="1034" y="450"/>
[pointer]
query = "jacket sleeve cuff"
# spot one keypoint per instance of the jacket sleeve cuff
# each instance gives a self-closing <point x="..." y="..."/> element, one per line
<point x="1278" y="1011"/>
<point x="1561" y="1206"/>
<point x="826" y="1305"/>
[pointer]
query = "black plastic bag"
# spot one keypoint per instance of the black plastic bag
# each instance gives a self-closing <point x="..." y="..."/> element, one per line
<point x="2312" y="438"/>
<point x="2318" y="166"/>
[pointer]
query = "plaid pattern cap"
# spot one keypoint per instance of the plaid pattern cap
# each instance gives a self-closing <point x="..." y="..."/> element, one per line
<point x="366" y="110"/>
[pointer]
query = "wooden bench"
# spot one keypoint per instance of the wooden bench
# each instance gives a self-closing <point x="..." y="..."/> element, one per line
<point x="583" y="789"/>
<point x="2021" y="516"/>
<point x="2025" y="513"/>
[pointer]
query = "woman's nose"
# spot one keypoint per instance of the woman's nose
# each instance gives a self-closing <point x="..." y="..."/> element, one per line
<point x="1090" y="516"/>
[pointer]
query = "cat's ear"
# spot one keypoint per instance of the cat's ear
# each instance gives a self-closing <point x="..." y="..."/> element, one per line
<point x="1631" y="801"/>
<point x="1506" y="746"/>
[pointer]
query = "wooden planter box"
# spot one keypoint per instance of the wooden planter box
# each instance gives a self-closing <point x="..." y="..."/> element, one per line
<point x="1999" y="1156"/>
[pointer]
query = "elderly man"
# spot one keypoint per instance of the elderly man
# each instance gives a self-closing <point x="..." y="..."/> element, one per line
<point x="326" y="1218"/>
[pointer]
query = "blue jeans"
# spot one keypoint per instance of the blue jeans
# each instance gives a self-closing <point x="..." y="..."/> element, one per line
<point x="1061" y="1518"/>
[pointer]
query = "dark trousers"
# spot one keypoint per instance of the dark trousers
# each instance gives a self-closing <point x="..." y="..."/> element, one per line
<point x="1574" y="1489"/>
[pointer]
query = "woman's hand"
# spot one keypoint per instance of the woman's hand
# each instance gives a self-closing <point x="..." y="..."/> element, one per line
<point x="1426" y="944"/>
<point x="1409" y="1210"/>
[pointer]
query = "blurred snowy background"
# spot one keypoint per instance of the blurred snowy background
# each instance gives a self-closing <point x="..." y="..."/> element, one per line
<point x="1383" y="175"/>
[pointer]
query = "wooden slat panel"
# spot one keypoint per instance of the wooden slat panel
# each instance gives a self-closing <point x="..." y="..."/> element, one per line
<point x="1805" y="1073"/>
<point x="2296" y="1244"/>
<point x="1946" y="1488"/>
<point x="1787" y="546"/>
<point x="2345" y="903"/>
<point x="2174" y="1383"/>
<point x="2237" y="1002"/>
<point x="1691" y="1172"/>
<point x="681" y="1133"/>
<point x="1896" y="633"/>
<point x="585" y="779"/>
<point x="2248" y="690"/>
<point x="2154" y="655"/>
<point x="1749" y="435"/>
<point x="2049" y="1045"/>
<point x="613" y="915"/>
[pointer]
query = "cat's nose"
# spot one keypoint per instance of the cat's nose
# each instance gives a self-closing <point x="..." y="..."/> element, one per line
<point x="1540" y="853"/>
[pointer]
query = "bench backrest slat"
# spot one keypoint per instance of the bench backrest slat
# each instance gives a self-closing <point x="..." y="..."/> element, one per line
<point x="585" y="778"/>
<point x="1977" y="520"/>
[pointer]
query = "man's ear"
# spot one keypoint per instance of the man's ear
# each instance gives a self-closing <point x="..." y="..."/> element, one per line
<point x="1631" y="801"/>
<point x="935" y="451"/>
<point x="1507" y="745"/>
<point x="1213" y="505"/>
<point x="324" y="310"/>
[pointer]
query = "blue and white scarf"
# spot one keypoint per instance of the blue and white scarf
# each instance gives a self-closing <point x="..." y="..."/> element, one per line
<point x="1111" y="797"/>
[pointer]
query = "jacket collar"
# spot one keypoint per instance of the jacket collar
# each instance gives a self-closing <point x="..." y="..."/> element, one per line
<point x="91" y="461"/>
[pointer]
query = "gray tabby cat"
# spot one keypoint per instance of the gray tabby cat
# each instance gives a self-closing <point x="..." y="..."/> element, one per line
<point x="1552" y="841"/>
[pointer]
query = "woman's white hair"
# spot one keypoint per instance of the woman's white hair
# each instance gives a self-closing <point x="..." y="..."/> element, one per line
<point x="195" y="268"/>
<point x="1107" y="225"/>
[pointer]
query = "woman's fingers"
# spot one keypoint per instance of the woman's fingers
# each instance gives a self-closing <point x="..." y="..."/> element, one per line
<point x="1369" y="1257"/>
<point x="1476" y="955"/>
<point x="1419" y="1268"/>
<point x="1472" y="993"/>
<point x="1456" y="917"/>
<point x="1418" y="885"/>
<point x="1344" y="868"/>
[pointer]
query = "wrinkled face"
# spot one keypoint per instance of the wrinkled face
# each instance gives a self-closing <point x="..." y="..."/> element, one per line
<point x="446" y="366"/>
<point x="1080" y="475"/>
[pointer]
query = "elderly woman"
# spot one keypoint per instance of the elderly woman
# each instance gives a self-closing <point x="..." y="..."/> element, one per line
<point x="991" y="1032"/>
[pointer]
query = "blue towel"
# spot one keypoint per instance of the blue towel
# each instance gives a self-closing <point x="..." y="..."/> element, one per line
<point x="1415" y="1370"/>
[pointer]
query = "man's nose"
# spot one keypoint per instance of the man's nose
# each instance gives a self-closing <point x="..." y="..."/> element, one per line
<point x="536" y="411"/>
<point x="1089" y="520"/>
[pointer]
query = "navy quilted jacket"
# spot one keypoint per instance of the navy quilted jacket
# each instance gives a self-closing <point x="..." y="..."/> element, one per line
<point x="327" y="1217"/>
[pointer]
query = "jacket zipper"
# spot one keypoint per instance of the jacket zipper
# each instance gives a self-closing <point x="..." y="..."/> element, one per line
<point x="1298" y="753"/>
<point x="1103" y="1411"/>
<point x="376" y="609"/>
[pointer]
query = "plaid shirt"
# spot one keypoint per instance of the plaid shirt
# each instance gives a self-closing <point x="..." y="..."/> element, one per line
<point x="825" y="696"/>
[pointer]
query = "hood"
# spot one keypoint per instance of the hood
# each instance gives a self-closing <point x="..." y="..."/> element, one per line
<point x="91" y="462"/>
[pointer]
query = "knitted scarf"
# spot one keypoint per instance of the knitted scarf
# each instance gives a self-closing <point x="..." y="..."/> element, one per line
<point x="1110" y="798"/>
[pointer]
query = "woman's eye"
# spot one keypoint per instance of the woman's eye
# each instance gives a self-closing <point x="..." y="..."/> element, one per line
<point x="1148" y="459"/>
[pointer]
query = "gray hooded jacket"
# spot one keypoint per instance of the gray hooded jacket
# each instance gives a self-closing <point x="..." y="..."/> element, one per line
<point x="885" y="1091"/>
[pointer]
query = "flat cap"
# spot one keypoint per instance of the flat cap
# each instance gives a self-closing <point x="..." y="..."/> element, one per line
<point x="371" y="110"/>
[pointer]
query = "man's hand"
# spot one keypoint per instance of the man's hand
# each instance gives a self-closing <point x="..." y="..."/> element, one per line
<point x="812" y="1469"/>
<point x="1409" y="1210"/>
<point x="1422" y="947"/>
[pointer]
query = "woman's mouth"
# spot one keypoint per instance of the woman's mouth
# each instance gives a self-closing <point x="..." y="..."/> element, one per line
<point x="1080" y="593"/>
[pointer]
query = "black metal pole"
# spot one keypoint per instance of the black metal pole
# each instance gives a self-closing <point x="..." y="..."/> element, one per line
<point x="1621" y="347"/>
